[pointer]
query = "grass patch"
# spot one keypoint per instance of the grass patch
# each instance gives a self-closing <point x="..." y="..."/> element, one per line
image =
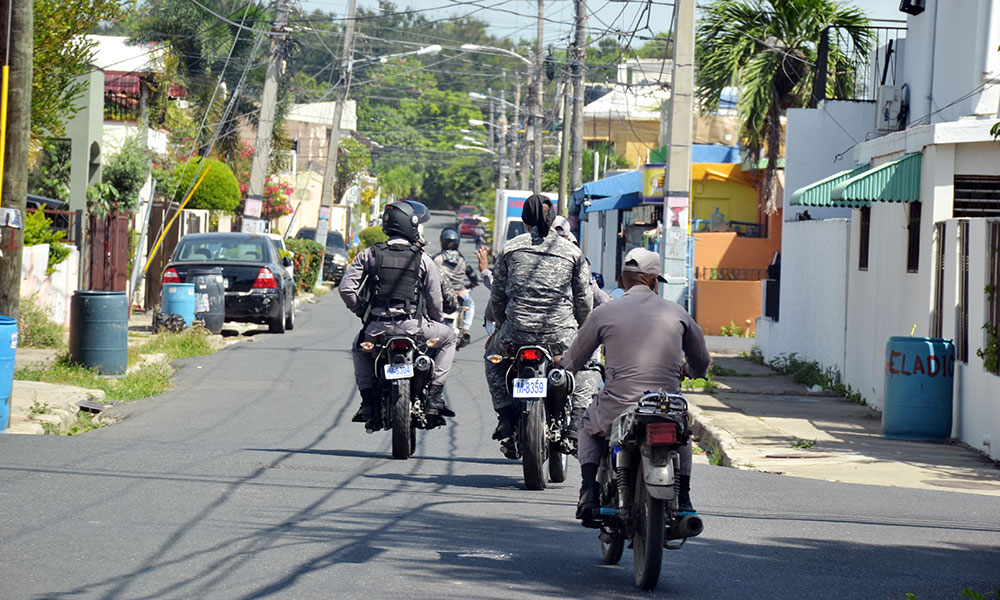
<point x="188" y="343"/>
<point x="715" y="457"/>
<point x="35" y="328"/>
<point x="319" y="290"/>
<point x="812" y="373"/>
<point x="716" y="370"/>
<point x="704" y="385"/>
<point x="144" y="382"/>
<point x="799" y="443"/>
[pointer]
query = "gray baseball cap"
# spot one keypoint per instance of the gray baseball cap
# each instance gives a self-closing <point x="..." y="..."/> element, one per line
<point x="644" y="261"/>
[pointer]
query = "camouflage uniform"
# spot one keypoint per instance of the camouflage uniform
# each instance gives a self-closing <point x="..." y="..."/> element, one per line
<point x="540" y="295"/>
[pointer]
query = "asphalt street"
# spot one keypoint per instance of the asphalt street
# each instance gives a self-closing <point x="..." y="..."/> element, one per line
<point x="248" y="480"/>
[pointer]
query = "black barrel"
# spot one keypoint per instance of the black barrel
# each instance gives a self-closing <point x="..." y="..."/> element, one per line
<point x="98" y="330"/>
<point x="209" y="296"/>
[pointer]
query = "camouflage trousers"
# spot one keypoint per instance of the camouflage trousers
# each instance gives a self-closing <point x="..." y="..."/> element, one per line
<point x="507" y="340"/>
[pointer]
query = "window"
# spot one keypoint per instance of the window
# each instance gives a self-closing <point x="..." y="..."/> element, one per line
<point x="962" y="335"/>
<point x="993" y="308"/>
<point x="977" y="196"/>
<point x="866" y="225"/>
<point x="913" y="241"/>
<point x="937" y="325"/>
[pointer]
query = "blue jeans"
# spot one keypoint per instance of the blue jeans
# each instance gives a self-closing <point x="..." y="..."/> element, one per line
<point x="469" y="307"/>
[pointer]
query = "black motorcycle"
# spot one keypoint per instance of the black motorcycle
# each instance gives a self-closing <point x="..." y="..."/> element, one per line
<point x="637" y="478"/>
<point x="541" y="434"/>
<point x="403" y="369"/>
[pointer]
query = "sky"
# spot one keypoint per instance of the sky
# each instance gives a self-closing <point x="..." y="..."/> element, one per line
<point x="517" y="18"/>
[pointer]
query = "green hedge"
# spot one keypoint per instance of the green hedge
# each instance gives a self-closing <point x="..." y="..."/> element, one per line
<point x="308" y="259"/>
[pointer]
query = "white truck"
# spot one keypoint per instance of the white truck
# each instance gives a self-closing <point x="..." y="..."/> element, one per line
<point x="507" y="222"/>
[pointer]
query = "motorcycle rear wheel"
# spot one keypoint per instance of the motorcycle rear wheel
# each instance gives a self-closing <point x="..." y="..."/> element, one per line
<point x="402" y="434"/>
<point x="558" y="460"/>
<point x="531" y="433"/>
<point x="647" y="543"/>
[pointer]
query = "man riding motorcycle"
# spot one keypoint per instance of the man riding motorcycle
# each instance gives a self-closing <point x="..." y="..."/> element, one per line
<point x="461" y="275"/>
<point x="540" y="295"/>
<point x="392" y="286"/>
<point x="646" y="339"/>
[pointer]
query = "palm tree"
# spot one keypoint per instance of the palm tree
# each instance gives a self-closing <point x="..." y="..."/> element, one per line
<point x="768" y="49"/>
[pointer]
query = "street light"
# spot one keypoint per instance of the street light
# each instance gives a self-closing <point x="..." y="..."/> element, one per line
<point x="473" y="140"/>
<point x="478" y="48"/>
<point x="480" y="148"/>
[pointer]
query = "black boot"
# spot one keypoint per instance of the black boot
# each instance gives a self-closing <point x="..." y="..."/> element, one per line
<point x="684" y="495"/>
<point x="435" y="402"/>
<point x="506" y="422"/>
<point x="590" y="494"/>
<point x="575" y="422"/>
<point x="369" y="407"/>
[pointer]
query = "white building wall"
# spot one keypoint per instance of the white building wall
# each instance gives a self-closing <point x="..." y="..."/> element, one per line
<point x="813" y="295"/>
<point x="815" y="137"/>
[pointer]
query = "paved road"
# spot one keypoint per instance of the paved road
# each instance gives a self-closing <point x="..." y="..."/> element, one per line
<point x="249" y="481"/>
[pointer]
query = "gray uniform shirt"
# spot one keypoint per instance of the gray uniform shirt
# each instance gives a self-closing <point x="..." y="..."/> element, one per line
<point x="540" y="284"/>
<point x="645" y="341"/>
<point x="455" y="268"/>
<point x="364" y="264"/>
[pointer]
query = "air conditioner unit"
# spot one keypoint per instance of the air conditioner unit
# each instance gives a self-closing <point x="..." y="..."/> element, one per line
<point x="888" y="108"/>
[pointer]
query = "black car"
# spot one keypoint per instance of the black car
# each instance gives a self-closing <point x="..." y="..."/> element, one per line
<point x="258" y="287"/>
<point x="335" y="257"/>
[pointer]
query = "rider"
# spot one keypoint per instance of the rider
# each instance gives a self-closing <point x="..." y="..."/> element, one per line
<point x="646" y="339"/>
<point x="461" y="275"/>
<point x="541" y="295"/>
<point x="391" y="286"/>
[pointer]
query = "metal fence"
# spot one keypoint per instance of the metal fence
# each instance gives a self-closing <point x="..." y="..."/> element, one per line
<point x="847" y="71"/>
<point x="119" y="106"/>
<point x="722" y="274"/>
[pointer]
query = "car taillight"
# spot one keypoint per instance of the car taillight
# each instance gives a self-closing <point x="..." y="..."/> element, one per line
<point x="265" y="279"/>
<point x="530" y="354"/>
<point x="171" y="276"/>
<point x="661" y="433"/>
<point x="399" y="345"/>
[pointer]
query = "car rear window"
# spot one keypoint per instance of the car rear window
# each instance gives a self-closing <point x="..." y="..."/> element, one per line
<point x="333" y="238"/>
<point x="221" y="250"/>
<point x="514" y="229"/>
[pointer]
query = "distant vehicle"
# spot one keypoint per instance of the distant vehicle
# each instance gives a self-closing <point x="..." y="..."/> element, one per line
<point x="60" y="222"/>
<point x="515" y="227"/>
<point x="279" y="242"/>
<point x="335" y="257"/>
<point x="467" y="227"/>
<point x="464" y="211"/>
<point x="258" y="288"/>
<point x="507" y="222"/>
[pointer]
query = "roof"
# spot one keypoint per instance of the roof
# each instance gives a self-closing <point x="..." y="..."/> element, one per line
<point x="629" y="200"/>
<point x="894" y="181"/>
<point x="703" y="153"/>
<point x="321" y="113"/>
<point x="636" y="102"/>
<point x="611" y="186"/>
<point x="114" y="53"/>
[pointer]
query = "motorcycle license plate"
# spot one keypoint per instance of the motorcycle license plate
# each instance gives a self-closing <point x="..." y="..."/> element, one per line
<point x="535" y="387"/>
<point x="398" y="371"/>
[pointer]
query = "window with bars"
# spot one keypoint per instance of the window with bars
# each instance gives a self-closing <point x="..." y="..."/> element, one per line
<point x="962" y="335"/>
<point x="866" y="226"/>
<point x="992" y="329"/>
<point x="913" y="239"/>
<point x="976" y="196"/>
<point x="937" y="325"/>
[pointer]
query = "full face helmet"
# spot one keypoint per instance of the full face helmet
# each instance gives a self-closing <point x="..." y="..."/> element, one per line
<point x="450" y="238"/>
<point x="400" y="219"/>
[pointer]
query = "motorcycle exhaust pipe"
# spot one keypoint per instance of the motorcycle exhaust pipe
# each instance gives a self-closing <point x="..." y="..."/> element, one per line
<point x="423" y="363"/>
<point x="561" y="382"/>
<point x="688" y="526"/>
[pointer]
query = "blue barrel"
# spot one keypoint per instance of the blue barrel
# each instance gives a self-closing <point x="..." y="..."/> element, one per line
<point x="98" y="330"/>
<point x="178" y="298"/>
<point x="209" y="296"/>
<point x="8" y="348"/>
<point x="919" y="383"/>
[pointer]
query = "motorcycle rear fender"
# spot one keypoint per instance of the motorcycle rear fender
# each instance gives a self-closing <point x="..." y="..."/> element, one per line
<point x="659" y="480"/>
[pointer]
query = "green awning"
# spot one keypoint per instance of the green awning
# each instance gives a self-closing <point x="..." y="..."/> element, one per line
<point x="895" y="181"/>
<point x="818" y="193"/>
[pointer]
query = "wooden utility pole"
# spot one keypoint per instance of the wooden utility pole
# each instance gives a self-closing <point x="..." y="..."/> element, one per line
<point x="502" y="142"/>
<point x="17" y="25"/>
<point x="564" y="153"/>
<point x="265" y="125"/>
<point x="536" y="104"/>
<point x="677" y="179"/>
<point x="343" y="86"/>
<point x="579" y="64"/>
<point x="520" y="152"/>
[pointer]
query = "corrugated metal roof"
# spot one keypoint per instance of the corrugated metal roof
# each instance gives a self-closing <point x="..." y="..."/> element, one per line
<point x="818" y="193"/>
<point x="895" y="181"/>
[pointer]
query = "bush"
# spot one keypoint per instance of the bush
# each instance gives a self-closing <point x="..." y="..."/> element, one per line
<point x="371" y="236"/>
<point x="308" y="259"/>
<point x="126" y="171"/>
<point x="732" y="330"/>
<point x="35" y="328"/>
<point x="38" y="230"/>
<point x="219" y="191"/>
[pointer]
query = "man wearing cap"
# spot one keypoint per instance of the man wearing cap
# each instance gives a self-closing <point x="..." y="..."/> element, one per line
<point x="646" y="339"/>
<point x="540" y="295"/>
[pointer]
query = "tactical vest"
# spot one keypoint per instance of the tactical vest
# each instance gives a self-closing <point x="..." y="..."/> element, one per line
<point x="398" y="277"/>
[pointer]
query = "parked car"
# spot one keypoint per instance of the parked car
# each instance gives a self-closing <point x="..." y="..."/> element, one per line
<point x="465" y="211"/>
<point x="258" y="288"/>
<point x="467" y="227"/>
<point x="335" y="257"/>
<point x="279" y="243"/>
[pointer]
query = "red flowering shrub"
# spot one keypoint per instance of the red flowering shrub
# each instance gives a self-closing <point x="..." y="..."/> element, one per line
<point x="308" y="258"/>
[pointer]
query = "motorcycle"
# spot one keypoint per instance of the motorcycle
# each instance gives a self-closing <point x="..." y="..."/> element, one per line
<point x="639" y="499"/>
<point x="541" y="433"/>
<point x="403" y="369"/>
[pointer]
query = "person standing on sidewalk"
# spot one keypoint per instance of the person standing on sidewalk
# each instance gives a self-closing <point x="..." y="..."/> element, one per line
<point x="646" y="339"/>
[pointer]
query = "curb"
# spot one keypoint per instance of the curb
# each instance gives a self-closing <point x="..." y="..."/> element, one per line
<point x="710" y="437"/>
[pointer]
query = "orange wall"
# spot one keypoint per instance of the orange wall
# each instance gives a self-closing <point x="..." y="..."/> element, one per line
<point x="716" y="303"/>
<point x="726" y="250"/>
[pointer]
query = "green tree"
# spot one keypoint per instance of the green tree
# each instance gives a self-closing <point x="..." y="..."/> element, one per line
<point x="126" y="171"/>
<point x="218" y="191"/>
<point x="767" y="48"/>
<point x="353" y="161"/>
<point x="50" y="175"/>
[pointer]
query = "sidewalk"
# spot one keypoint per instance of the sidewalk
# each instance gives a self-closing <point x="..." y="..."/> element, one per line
<point x="764" y="421"/>
<point x="33" y="403"/>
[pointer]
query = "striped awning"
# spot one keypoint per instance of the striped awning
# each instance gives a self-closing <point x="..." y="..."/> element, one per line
<point x="895" y="181"/>
<point x="818" y="193"/>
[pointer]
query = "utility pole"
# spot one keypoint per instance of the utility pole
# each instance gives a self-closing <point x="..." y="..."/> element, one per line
<point x="536" y="105"/>
<point x="504" y="166"/>
<point x="579" y="63"/>
<point x="677" y="179"/>
<point x="265" y="124"/>
<point x="330" y="174"/>
<point x="490" y="131"/>
<point x="564" y="153"/>
<point x="518" y="151"/>
<point x="17" y="24"/>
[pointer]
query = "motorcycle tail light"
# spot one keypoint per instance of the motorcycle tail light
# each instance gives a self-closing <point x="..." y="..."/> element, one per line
<point x="530" y="354"/>
<point x="661" y="433"/>
<point x="367" y="346"/>
<point x="171" y="276"/>
<point x="265" y="279"/>
<point x="494" y="358"/>
<point x="399" y="345"/>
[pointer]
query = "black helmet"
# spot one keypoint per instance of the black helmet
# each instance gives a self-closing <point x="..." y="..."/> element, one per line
<point x="420" y="210"/>
<point x="399" y="218"/>
<point x="450" y="238"/>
